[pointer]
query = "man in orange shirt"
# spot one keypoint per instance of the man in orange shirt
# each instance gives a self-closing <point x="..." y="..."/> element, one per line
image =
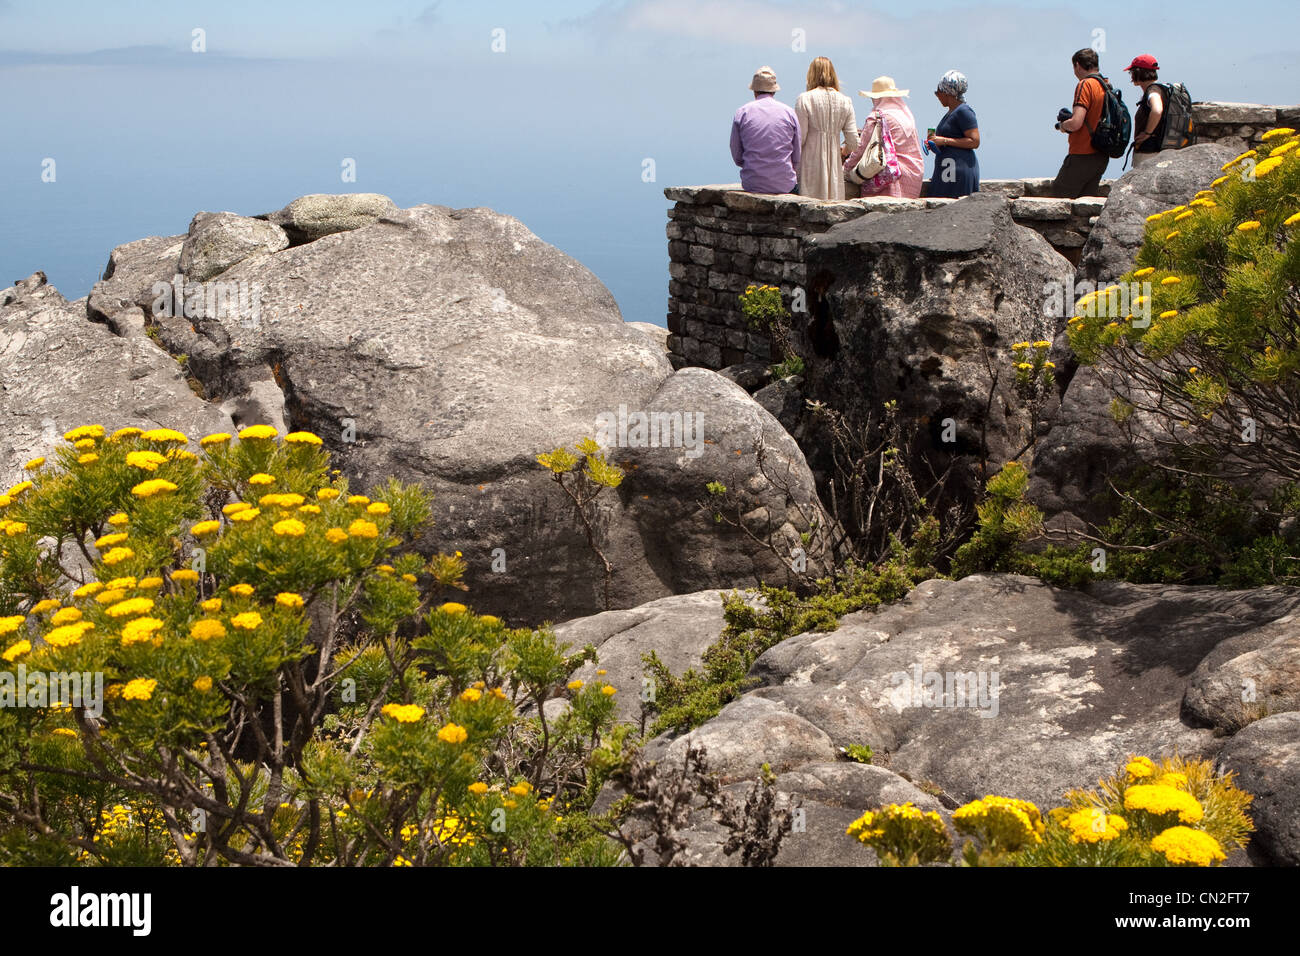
<point x="1081" y="173"/>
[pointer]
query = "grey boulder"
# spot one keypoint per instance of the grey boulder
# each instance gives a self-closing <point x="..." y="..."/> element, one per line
<point x="218" y="240"/>
<point x="308" y="218"/>
<point x="1266" y="758"/>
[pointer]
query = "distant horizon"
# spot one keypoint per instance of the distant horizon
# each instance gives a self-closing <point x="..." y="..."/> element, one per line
<point x="570" y="115"/>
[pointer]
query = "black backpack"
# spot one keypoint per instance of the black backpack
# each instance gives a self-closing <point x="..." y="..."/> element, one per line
<point x="1180" y="130"/>
<point x="1115" y="127"/>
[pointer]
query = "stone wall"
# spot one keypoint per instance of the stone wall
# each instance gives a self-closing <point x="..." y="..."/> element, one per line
<point x="722" y="239"/>
<point x="1240" y="125"/>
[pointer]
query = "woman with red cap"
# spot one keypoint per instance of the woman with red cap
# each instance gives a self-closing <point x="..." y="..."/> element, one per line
<point x="1149" y="118"/>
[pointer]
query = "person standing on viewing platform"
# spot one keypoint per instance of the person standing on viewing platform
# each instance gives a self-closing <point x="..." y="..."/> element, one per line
<point x="1084" y="165"/>
<point x="901" y="126"/>
<point x="825" y="114"/>
<point x="765" y="140"/>
<point x="954" y="141"/>
<point x="1149" y="118"/>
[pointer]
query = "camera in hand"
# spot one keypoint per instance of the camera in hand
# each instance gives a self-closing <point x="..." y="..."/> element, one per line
<point x="1062" y="115"/>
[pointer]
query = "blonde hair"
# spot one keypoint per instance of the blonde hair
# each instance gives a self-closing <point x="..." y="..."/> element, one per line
<point x="821" y="74"/>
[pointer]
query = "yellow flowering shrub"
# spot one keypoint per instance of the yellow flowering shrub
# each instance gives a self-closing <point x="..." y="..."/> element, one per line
<point x="412" y="729"/>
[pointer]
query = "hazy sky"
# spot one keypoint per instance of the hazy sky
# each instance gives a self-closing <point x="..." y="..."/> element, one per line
<point x="555" y="128"/>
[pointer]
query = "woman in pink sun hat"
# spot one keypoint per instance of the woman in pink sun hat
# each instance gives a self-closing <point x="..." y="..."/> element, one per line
<point x="890" y="103"/>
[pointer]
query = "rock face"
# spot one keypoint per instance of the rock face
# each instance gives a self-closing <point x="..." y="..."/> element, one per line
<point x="58" y="371"/>
<point x="911" y="305"/>
<point x="1000" y="684"/>
<point x="1160" y="184"/>
<point x="677" y="628"/>
<point x="218" y="240"/>
<point x="308" y="218"/>
<point x="1247" y="677"/>
<point x="451" y="347"/>
<point x="1266" y="758"/>
<point x="126" y="293"/>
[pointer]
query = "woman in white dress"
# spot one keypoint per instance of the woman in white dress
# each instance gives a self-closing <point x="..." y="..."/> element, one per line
<point x="825" y="114"/>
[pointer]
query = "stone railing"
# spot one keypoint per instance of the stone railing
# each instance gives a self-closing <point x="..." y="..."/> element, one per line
<point x="1240" y="125"/>
<point x="721" y="240"/>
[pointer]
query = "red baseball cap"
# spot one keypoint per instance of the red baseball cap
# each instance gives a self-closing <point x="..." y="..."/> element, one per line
<point x="1143" y="62"/>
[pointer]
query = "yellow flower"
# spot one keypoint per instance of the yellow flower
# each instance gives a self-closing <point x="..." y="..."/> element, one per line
<point x="1001" y="823"/>
<point x="283" y="500"/>
<point x="302" y="438"/>
<point x="110" y="596"/>
<point x="141" y="688"/>
<point x="49" y="604"/>
<point x="130" y="431"/>
<point x="248" y="621"/>
<point x="336" y="535"/>
<point x="257" y="431"/>
<point x="1248" y="226"/>
<point x="1094" y="825"/>
<point x="363" y="529"/>
<point x="289" y="527"/>
<point x="64" y="732"/>
<point x="136" y="605"/>
<point x="1169" y="314"/>
<point x="1267" y="166"/>
<point x="1170" y="280"/>
<point x="309" y="509"/>
<point x="86" y="590"/>
<point x="1220" y="181"/>
<point x="203" y="684"/>
<point x="66" y="615"/>
<point x="1183" y="846"/>
<point x="1173" y="779"/>
<point x="409" y="578"/>
<point x="522" y="789"/>
<point x="498" y="693"/>
<point x="18" y="489"/>
<point x="378" y="508"/>
<point x="117" y="556"/>
<point x="33" y="464"/>
<point x="1184" y="215"/>
<point x="288" y="599"/>
<point x="118" y="519"/>
<point x="384" y="568"/>
<point x="575" y="685"/>
<point x="1154" y="216"/>
<point x="471" y="694"/>
<point x="145" y="460"/>
<point x="261" y="478"/>
<point x="211" y="605"/>
<point x="201" y="528"/>
<point x="245" y="514"/>
<point x="452" y="734"/>
<point x="601" y="672"/>
<point x="1280" y="132"/>
<point x="1160" y="799"/>
<point x="1193" y="370"/>
<point x="89" y="458"/>
<point x="1139" y="768"/>
<point x="489" y="619"/>
<point x="140" y="630"/>
<point x="405" y="713"/>
<point x="609" y="690"/>
<point x="10" y="624"/>
<point x="16" y="650"/>
<point x="85" y="431"/>
<point x="235" y="507"/>
<point x="108" y="540"/>
<point x="154" y="486"/>
<point x="478" y="788"/>
<point x="207" y="629"/>
<point x="327" y="494"/>
<point x="216" y="438"/>
<point x="1171" y="235"/>
<point x="451" y="607"/>
<point x="165" y="436"/>
<point x="241" y="590"/>
<point x="358" y="500"/>
<point x="68" y="635"/>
